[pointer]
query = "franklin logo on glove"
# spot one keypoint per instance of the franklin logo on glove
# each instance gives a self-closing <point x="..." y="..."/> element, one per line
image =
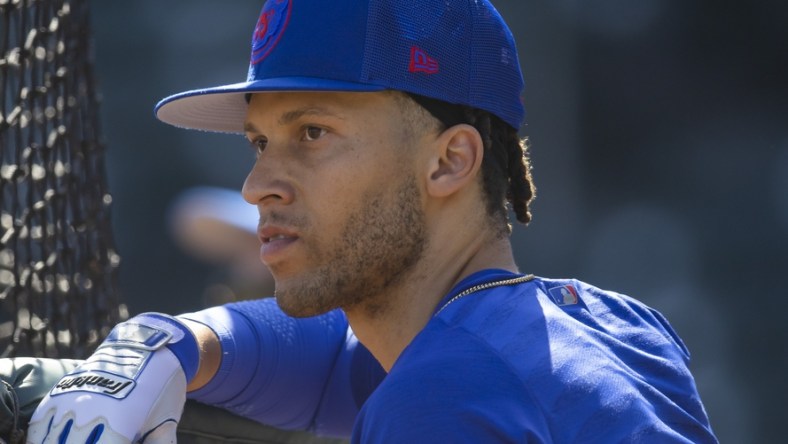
<point x="96" y="382"/>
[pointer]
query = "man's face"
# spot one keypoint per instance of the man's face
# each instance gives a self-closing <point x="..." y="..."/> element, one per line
<point x="341" y="216"/>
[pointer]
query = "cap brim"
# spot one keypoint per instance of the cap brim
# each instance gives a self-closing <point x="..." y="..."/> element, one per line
<point x="223" y="108"/>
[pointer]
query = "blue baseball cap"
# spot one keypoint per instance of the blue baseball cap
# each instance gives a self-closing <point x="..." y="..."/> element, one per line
<point x="457" y="51"/>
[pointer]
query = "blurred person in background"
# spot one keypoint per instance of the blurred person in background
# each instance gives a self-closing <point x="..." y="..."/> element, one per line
<point x="216" y="226"/>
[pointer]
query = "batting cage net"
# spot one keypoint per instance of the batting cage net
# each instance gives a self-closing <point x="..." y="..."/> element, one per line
<point x="58" y="265"/>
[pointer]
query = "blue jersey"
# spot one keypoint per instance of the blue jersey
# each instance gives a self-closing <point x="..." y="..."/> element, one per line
<point x="537" y="361"/>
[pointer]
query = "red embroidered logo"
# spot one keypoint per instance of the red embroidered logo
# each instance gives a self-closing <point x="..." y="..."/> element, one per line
<point x="421" y="62"/>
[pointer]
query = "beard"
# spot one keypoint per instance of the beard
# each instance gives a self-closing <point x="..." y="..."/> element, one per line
<point x="382" y="241"/>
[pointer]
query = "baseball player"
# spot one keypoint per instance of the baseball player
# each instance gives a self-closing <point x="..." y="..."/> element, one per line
<point x="388" y="155"/>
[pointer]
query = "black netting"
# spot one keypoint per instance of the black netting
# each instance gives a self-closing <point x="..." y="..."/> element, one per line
<point x="58" y="265"/>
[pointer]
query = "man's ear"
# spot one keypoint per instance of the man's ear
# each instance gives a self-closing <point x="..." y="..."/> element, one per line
<point x="456" y="160"/>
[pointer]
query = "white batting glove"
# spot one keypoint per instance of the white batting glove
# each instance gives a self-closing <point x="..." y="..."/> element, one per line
<point x="132" y="389"/>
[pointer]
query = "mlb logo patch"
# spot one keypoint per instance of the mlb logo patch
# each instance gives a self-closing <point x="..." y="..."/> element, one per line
<point x="564" y="295"/>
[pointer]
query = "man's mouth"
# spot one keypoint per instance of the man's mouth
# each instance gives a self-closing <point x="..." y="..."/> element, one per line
<point x="275" y="238"/>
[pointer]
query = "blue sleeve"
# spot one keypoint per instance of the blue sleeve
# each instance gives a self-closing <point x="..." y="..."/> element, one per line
<point x="296" y="374"/>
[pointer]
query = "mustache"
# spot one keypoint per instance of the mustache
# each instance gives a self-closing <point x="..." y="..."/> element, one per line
<point x="279" y="219"/>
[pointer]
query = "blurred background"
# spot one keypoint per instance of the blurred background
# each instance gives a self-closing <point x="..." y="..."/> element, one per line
<point x="659" y="134"/>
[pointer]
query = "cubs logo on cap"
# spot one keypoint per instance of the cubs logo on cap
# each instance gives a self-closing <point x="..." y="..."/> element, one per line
<point x="270" y="26"/>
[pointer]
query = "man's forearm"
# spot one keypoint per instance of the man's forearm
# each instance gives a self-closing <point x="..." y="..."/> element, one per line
<point x="210" y="353"/>
<point x="264" y="365"/>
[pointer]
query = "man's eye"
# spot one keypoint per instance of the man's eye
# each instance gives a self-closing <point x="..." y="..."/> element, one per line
<point x="259" y="145"/>
<point x="313" y="133"/>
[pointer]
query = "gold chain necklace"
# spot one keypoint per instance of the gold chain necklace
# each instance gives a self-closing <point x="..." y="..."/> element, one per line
<point x="484" y="286"/>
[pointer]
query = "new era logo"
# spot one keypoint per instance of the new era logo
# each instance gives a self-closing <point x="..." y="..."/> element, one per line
<point x="421" y="62"/>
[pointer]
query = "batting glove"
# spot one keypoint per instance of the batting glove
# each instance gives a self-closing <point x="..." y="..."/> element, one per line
<point x="132" y="389"/>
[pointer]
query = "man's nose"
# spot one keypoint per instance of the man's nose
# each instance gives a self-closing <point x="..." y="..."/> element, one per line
<point x="267" y="183"/>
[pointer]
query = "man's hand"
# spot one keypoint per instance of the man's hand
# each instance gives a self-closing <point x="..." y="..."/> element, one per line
<point x="132" y="389"/>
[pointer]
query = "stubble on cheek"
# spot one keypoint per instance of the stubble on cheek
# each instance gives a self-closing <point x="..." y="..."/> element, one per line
<point x="383" y="239"/>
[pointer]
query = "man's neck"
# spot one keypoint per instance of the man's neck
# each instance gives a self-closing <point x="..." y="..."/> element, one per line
<point x="400" y="314"/>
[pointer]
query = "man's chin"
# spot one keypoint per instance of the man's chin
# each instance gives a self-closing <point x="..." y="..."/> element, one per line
<point x="300" y="305"/>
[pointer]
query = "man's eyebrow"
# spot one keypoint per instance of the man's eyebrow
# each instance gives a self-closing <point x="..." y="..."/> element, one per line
<point x="295" y="114"/>
<point x="250" y="128"/>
